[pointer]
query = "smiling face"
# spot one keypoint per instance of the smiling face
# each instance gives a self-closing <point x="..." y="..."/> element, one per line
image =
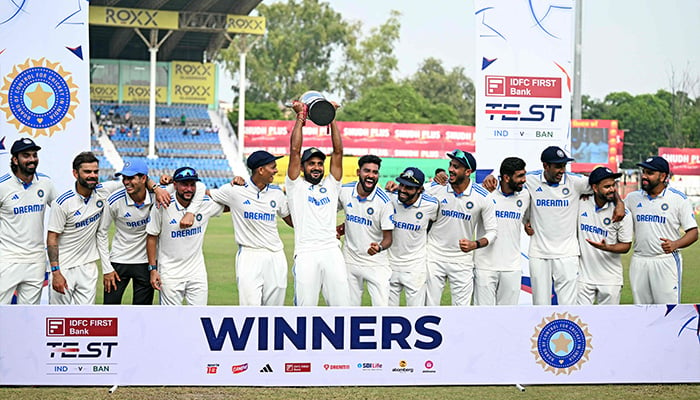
<point x="314" y="170"/>
<point x="516" y="181"/>
<point x="26" y="162"/>
<point x="553" y="173"/>
<point x="267" y="172"/>
<point x="652" y="179"/>
<point x="87" y="175"/>
<point x="185" y="190"/>
<point x="458" y="173"/>
<point x="408" y="194"/>
<point x="604" y="190"/>
<point x="134" y="184"/>
<point x="368" y="175"/>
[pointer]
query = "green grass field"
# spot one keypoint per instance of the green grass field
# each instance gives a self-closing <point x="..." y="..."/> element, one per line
<point x="220" y="251"/>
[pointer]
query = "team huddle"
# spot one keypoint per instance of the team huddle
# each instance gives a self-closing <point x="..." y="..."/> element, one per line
<point x="410" y="237"/>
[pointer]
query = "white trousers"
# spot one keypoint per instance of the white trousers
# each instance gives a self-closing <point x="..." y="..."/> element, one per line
<point x="82" y="285"/>
<point x="562" y="272"/>
<point x="25" y="279"/>
<point x="656" y="280"/>
<point x="322" y="270"/>
<point x="261" y="276"/>
<point x="377" y="278"/>
<point x="461" y="276"/>
<point x="493" y="288"/>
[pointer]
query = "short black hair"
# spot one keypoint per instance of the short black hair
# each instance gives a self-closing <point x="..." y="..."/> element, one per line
<point x="85" y="157"/>
<point x="510" y="165"/>
<point x="369" y="159"/>
<point x="437" y="171"/>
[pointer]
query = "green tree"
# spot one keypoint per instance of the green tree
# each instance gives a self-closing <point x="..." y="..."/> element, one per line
<point x="368" y="62"/>
<point x="393" y="102"/>
<point x="296" y="52"/>
<point x="452" y="88"/>
<point x="253" y="111"/>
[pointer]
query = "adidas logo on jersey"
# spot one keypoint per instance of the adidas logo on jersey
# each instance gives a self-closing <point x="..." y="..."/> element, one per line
<point x="639" y="205"/>
<point x="585" y="214"/>
<point x="539" y="189"/>
<point x="127" y="215"/>
<point x="77" y="213"/>
<point x="246" y="202"/>
<point x="173" y="222"/>
<point x="266" y="368"/>
<point x="15" y="197"/>
<point x="444" y="201"/>
<point x="349" y="205"/>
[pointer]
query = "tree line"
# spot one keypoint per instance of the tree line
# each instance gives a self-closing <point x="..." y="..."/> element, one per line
<point x="310" y="46"/>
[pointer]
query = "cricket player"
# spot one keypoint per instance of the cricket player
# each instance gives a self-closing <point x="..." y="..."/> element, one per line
<point x="452" y="238"/>
<point x="24" y="195"/>
<point x="129" y="209"/>
<point x="602" y="242"/>
<point x="659" y="214"/>
<point x="368" y="232"/>
<point x="261" y="265"/>
<point x="71" y="241"/>
<point x="313" y="202"/>
<point x="498" y="273"/>
<point x="175" y="256"/>
<point x="414" y="212"/>
<point x="554" y="249"/>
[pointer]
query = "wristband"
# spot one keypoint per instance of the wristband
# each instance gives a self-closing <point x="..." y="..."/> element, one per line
<point x="478" y="244"/>
<point x="381" y="248"/>
<point x="153" y="188"/>
<point x="55" y="268"/>
<point x="152" y="268"/>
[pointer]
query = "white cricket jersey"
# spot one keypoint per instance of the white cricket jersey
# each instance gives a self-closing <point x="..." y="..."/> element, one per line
<point x="365" y="219"/>
<point x="601" y="267"/>
<point x="22" y="209"/>
<point x="254" y="212"/>
<point x="660" y="217"/>
<point x="76" y="219"/>
<point x="130" y="219"/>
<point x="180" y="255"/>
<point x="503" y="253"/>
<point x="458" y="217"/>
<point x="553" y="214"/>
<point x="410" y="236"/>
<point x="314" y="210"/>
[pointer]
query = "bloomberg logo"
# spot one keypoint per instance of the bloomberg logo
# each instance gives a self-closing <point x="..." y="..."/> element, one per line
<point x="364" y="333"/>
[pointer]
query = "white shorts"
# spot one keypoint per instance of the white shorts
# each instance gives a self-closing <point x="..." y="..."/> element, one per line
<point x="588" y="293"/>
<point x="26" y="279"/>
<point x="496" y="287"/>
<point x="377" y="278"/>
<point x="261" y="276"/>
<point x="322" y="270"/>
<point x="174" y="291"/>
<point x="461" y="276"/>
<point x="82" y="285"/>
<point x="656" y="280"/>
<point x="562" y="272"/>
<point x="412" y="278"/>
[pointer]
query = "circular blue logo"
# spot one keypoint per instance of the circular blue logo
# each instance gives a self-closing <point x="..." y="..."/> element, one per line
<point x="565" y="191"/>
<point x="100" y="203"/>
<point x="561" y="343"/>
<point x="40" y="193"/>
<point x="519" y="203"/>
<point x="606" y="221"/>
<point x="419" y="215"/>
<point x="664" y="206"/>
<point x="198" y="217"/>
<point x="370" y="211"/>
<point x="323" y="190"/>
<point x="470" y="205"/>
<point x="39" y="97"/>
<point x="273" y="203"/>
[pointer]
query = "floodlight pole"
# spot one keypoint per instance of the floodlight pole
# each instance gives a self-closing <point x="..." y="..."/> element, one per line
<point x="153" y="45"/>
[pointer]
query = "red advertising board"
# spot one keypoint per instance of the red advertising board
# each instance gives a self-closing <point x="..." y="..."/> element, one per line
<point x="360" y="138"/>
<point x="682" y="161"/>
<point x="522" y="86"/>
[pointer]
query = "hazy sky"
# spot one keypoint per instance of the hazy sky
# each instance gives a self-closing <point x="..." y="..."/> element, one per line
<point x="628" y="45"/>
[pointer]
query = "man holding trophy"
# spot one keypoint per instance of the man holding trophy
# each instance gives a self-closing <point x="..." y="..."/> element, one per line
<point x="313" y="200"/>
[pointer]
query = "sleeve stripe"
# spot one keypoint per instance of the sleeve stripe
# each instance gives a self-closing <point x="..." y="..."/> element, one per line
<point x="64" y="197"/>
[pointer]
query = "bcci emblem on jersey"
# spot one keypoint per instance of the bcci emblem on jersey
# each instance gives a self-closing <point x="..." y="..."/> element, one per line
<point x="561" y="343"/>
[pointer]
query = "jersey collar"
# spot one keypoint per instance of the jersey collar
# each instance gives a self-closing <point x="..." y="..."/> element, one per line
<point x="466" y="192"/>
<point x="130" y="202"/>
<point x="544" y="180"/>
<point x="369" y="197"/>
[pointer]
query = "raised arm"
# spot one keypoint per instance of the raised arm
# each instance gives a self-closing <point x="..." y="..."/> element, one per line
<point x="295" y="141"/>
<point x="337" y="155"/>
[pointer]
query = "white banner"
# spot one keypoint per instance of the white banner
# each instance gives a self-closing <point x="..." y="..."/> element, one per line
<point x="44" y="82"/>
<point x="524" y="59"/>
<point x="289" y="346"/>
